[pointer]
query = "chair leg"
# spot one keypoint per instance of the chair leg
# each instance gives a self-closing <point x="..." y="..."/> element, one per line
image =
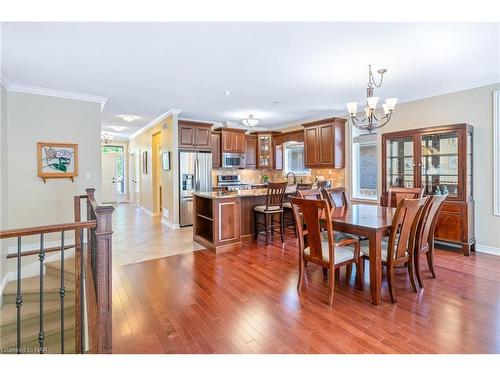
<point x="337" y="273"/>
<point x="282" y="226"/>
<point x="348" y="273"/>
<point x="390" y="282"/>
<point x="266" y="224"/>
<point x="417" y="269"/>
<point x="331" y="283"/>
<point x="430" y="262"/>
<point x="411" y="273"/>
<point x="301" y="272"/>
<point x="360" y="273"/>
<point x="325" y="272"/>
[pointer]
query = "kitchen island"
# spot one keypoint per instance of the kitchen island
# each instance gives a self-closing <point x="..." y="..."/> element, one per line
<point x="224" y="219"/>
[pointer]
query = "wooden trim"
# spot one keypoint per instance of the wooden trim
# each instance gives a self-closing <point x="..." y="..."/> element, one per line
<point x="195" y="123"/>
<point x="324" y="121"/>
<point x="47" y="229"/>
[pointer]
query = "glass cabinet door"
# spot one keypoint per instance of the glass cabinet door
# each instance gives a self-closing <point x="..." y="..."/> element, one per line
<point x="264" y="151"/>
<point x="400" y="164"/>
<point x="439" y="168"/>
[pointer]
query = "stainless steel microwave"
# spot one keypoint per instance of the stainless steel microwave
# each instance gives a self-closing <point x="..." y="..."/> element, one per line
<point x="230" y="160"/>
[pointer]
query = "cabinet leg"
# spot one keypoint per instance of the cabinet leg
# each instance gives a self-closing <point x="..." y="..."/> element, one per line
<point x="466" y="249"/>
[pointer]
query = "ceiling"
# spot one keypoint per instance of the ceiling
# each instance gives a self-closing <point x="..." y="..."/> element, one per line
<point x="280" y="72"/>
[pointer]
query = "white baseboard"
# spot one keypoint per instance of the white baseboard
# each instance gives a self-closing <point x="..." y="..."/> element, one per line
<point x="146" y="210"/>
<point x="488" y="250"/>
<point x="170" y="224"/>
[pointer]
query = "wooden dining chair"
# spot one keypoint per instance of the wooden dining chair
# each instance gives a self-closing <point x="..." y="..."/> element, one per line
<point x="399" y="249"/>
<point x="336" y="197"/>
<point x="316" y="245"/>
<point x="273" y="207"/>
<point x="313" y="194"/>
<point x="287" y="206"/>
<point x="396" y="194"/>
<point x="424" y="241"/>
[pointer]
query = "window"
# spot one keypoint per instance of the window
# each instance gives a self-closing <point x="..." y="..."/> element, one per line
<point x="364" y="165"/>
<point x="294" y="158"/>
<point x="120" y="166"/>
<point x="496" y="152"/>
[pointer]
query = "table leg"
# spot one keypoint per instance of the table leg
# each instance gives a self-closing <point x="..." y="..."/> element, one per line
<point x="375" y="240"/>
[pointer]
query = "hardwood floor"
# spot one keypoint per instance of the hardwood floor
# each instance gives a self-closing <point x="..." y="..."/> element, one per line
<point x="245" y="301"/>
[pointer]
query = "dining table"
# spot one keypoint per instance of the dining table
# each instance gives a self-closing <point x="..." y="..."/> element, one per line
<point x="372" y="222"/>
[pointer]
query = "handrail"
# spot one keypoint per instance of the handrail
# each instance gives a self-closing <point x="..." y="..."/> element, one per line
<point x="21" y="232"/>
<point x="37" y="251"/>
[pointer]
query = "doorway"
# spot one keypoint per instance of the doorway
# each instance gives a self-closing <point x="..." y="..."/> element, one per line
<point x="156" y="172"/>
<point x="135" y="186"/>
<point x="109" y="178"/>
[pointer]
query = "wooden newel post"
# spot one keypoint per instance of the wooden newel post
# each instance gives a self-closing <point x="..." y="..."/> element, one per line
<point x="103" y="274"/>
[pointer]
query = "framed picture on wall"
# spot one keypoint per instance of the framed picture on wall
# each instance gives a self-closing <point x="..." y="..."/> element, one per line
<point x="57" y="160"/>
<point x="145" y="162"/>
<point x="165" y="161"/>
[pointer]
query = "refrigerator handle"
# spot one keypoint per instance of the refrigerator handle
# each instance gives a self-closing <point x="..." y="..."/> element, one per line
<point x="196" y="174"/>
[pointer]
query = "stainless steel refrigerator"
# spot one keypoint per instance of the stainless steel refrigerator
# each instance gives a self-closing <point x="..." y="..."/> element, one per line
<point x="195" y="174"/>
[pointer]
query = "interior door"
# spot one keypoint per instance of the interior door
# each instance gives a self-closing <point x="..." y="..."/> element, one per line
<point x="108" y="177"/>
<point x="136" y="179"/>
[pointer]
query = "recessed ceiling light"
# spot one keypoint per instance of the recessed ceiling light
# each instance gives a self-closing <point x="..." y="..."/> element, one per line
<point x="128" y="118"/>
<point x="227" y="93"/>
<point x="118" y="128"/>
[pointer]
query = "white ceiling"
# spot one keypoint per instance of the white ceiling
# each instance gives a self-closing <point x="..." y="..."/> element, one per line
<point x="311" y="69"/>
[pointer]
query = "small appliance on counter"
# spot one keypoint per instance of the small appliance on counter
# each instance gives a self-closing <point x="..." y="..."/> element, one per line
<point x="232" y="183"/>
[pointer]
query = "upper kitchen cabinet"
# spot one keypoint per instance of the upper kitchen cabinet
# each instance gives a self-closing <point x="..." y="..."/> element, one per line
<point x="251" y="152"/>
<point x="215" y="147"/>
<point x="324" y="143"/>
<point x="265" y="149"/>
<point x="194" y="135"/>
<point x="293" y="136"/>
<point x="233" y="141"/>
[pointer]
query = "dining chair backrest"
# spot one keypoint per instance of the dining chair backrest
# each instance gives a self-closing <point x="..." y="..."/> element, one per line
<point x="309" y="194"/>
<point x="397" y="194"/>
<point x="404" y="228"/>
<point x="275" y="194"/>
<point x="428" y="219"/>
<point x="307" y="214"/>
<point x="335" y="197"/>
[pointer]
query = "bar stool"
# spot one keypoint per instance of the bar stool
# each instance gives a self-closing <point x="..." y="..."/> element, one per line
<point x="273" y="207"/>
<point x="287" y="206"/>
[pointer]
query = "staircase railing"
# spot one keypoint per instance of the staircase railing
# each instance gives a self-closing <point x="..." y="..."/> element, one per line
<point x="92" y="276"/>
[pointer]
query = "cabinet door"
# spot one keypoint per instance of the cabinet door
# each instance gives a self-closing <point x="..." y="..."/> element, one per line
<point x="186" y="136"/>
<point x="311" y="151"/>
<point x="400" y="163"/>
<point x="227" y="141"/>
<point x="251" y="153"/>
<point x="326" y="145"/>
<point x="339" y="157"/>
<point x="228" y="220"/>
<point x="202" y="137"/>
<point x="278" y="157"/>
<point x="264" y="151"/>
<point x="215" y="148"/>
<point x="239" y="142"/>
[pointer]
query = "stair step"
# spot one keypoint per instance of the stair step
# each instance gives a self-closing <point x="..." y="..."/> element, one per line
<point x="54" y="269"/>
<point x="30" y="288"/>
<point x="29" y="333"/>
<point x="52" y="343"/>
<point x="30" y="314"/>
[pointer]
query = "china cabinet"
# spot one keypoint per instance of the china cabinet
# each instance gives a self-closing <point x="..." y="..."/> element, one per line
<point x="438" y="159"/>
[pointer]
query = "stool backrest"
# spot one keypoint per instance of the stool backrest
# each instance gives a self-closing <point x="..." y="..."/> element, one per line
<point x="275" y="194"/>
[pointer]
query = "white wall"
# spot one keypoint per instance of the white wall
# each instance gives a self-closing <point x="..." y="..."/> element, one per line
<point x="3" y="175"/>
<point x="36" y="118"/>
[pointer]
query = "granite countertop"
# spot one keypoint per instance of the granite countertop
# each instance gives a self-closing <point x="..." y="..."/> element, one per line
<point x="240" y="193"/>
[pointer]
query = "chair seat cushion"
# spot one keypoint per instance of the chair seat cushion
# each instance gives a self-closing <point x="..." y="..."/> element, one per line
<point x="340" y="236"/>
<point x="342" y="253"/>
<point x="262" y="208"/>
<point x="365" y="250"/>
<point x="287" y="205"/>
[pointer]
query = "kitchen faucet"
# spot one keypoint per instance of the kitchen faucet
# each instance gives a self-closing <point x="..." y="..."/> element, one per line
<point x="294" y="177"/>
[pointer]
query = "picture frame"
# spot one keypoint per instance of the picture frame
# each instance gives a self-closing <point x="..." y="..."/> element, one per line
<point x="165" y="161"/>
<point x="57" y="160"/>
<point x="145" y="162"/>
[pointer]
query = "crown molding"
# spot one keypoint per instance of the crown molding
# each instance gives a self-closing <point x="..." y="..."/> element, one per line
<point x="171" y="111"/>
<point x="26" y="89"/>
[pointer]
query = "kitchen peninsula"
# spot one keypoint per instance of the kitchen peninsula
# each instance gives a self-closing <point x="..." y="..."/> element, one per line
<point x="224" y="219"/>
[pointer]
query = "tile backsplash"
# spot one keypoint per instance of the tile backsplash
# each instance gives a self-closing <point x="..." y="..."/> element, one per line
<point x="336" y="176"/>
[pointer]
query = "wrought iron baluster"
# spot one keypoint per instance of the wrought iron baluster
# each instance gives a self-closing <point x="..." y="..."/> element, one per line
<point x="19" y="296"/>
<point x="41" y="334"/>
<point x="82" y="297"/>
<point x="62" y="292"/>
